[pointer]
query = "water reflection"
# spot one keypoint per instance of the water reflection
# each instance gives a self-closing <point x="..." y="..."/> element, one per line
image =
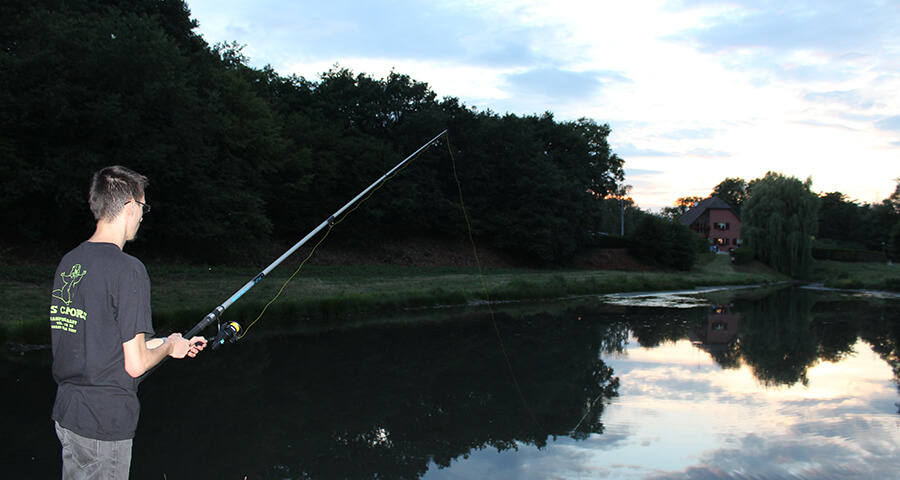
<point x="790" y="383"/>
<point x="718" y="335"/>
<point x="362" y="402"/>
<point x="699" y="421"/>
<point x="787" y="333"/>
<point x="779" y="334"/>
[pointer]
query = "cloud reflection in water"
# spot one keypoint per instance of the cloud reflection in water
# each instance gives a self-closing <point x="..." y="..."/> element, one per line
<point x="679" y="415"/>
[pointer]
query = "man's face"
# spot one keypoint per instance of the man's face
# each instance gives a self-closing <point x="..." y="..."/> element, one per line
<point x="136" y="215"/>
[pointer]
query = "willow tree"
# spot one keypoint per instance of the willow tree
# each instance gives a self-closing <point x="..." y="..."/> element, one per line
<point x="780" y="219"/>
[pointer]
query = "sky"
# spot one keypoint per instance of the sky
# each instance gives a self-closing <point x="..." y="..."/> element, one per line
<point x="695" y="91"/>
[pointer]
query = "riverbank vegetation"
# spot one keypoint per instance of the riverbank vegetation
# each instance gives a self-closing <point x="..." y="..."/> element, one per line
<point x="183" y="294"/>
<point x="858" y="275"/>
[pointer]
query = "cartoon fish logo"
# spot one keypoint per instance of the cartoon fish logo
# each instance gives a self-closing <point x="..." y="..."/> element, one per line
<point x="69" y="281"/>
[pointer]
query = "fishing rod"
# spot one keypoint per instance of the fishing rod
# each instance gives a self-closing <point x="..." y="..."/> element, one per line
<point x="229" y="332"/>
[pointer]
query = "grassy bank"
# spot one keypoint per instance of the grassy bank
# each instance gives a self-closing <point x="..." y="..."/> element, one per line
<point x="858" y="275"/>
<point x="182" y="295"/>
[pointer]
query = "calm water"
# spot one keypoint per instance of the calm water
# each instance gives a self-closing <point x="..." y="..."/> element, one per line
<point x="740" y="384"/>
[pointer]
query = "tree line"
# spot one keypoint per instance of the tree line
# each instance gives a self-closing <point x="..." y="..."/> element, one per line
<point x="784" y="221"/>
<point x="240" y="157"/>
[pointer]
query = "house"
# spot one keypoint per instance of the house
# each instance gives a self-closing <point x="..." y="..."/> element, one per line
<point x="718" y="334"/>
<point x="722" y="324"/>
<point x="716" y="221"/>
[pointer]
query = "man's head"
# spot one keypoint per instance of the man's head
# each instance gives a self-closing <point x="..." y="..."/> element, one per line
<point x="112" y="188"/>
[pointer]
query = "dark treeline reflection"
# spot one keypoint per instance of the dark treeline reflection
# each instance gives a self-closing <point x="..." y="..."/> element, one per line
<point x="392" y="400"/>
<point x="778" y="334"/>
<point x="784" y="334"/>
<point x="377" y="402"/>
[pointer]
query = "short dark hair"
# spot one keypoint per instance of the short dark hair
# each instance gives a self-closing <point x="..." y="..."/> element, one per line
<point x="112" y="188"/>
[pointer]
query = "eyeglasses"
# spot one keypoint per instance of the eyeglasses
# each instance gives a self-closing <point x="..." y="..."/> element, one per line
<point x="144" y="206"/>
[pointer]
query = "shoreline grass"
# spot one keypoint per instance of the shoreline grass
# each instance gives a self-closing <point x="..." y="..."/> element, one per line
<point x="858" y="275"/>
<point x="182" y="294"/>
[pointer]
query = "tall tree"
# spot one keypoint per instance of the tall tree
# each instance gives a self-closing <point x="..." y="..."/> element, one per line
<point x="894" y="200"/>
<point x="779" y="221"/>
<point x="893" y="244"/>
<point x="681" y="206"/>
<point x="90" y="84"/>
<point x="235" y="153"/>
<point x="840" y="219"/>
<point x="532" y="184"/>
<point x="733" y="191"/>
<point x="665" y="242"/>
<point x="879" y="219"/>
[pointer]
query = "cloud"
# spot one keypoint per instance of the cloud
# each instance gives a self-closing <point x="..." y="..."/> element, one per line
<point x="854" y="99"/>
<point x="645" y="179"/>
<point x="812" y="40"/>
<point x="797" y="25"/>
<point x="819" y="123"/>
<point x="639" y="172"/>
<point x="891" y="124"/>
<point x="629" y="150"/>
<point x="338" y="29"/>
<point x="561" y="84"/>
<point x="709" y="153"/>
<point x="691" y="133"/>
<point x="504" y="52"/>
<point x="838" y="59"/>
<point x="823" y="454"/>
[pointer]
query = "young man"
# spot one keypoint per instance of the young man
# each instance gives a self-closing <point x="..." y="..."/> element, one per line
<point x="100" y="327"/>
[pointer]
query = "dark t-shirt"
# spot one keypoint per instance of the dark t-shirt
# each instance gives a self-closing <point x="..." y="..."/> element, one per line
<point x="100" y="300"/>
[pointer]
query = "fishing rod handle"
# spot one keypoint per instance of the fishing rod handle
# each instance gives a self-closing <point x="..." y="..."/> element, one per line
<point x="207" y="320"/>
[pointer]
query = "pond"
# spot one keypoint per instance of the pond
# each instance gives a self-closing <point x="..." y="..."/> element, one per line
<point x="790" y="383"/>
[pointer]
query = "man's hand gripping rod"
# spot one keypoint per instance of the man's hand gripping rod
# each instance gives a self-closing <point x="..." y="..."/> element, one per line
<point x="229" y="332"/>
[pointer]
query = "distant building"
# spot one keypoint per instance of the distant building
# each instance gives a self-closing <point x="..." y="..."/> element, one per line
<point x="716" y="221"/>
<point x="718" y="334"/>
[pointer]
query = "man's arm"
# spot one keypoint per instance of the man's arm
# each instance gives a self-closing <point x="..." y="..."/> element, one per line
<point x="141" y="355"/>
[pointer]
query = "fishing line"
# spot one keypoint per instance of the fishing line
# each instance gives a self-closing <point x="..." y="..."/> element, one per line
<point x="487" y="295"/>
<point x="331" y="225"/>
<point x="233" y="331"/>
<point x="588" y="412"/>
<point x="484" y="287"/>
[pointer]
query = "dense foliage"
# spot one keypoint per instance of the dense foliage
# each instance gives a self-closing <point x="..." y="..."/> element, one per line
<point x="845" y="223"/>
<point x="665" y="242"/>
<point x="732" y="191"/>
<point x="240" y="157"/>
<point x="894" y="242"/>
<point x="779" y="222"/>
<point x="682" y="205"/>
<point x="846" y="230"/>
